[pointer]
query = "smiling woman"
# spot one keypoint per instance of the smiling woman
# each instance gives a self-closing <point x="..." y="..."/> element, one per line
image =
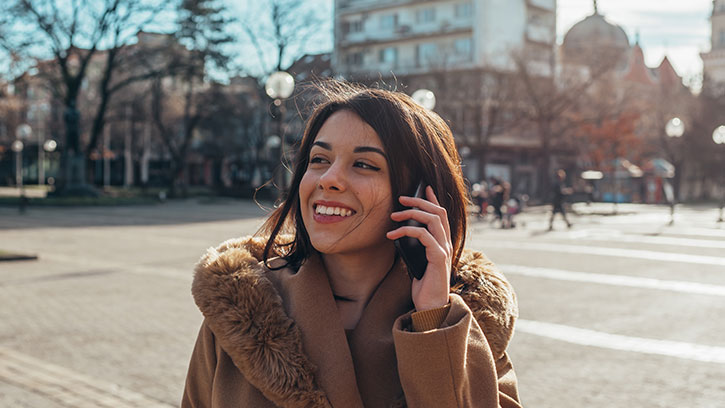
<point x="318" y="309"/>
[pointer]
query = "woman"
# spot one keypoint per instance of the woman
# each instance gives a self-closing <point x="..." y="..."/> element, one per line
<point x="318" y="309"/>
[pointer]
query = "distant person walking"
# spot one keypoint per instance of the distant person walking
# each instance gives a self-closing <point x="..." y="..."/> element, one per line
<point x="559" y="192"/>
<point x="498" y="197"/>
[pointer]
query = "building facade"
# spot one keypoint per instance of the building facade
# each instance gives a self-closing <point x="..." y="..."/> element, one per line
<point x="628" y="146"/>
<point x="714" y="60"/>
<point x="406" y="37"/>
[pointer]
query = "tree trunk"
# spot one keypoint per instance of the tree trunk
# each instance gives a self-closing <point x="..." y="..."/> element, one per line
<point x="545" y="163"/>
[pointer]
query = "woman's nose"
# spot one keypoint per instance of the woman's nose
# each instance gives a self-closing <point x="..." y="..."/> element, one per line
<point x="333" y="178"/>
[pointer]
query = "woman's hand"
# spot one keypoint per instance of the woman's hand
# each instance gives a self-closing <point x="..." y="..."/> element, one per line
<point x="433" y="289"/>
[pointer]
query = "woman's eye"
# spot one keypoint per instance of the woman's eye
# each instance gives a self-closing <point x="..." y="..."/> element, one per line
<point x="315" y="160"/>
<point x="366" y="166"/>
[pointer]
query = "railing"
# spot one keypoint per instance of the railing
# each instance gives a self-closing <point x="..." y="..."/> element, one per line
<point x="370" y="5"/>
<point x="405" y="31"/>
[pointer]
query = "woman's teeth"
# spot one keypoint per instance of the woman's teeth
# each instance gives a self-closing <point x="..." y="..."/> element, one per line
<point x="343" y="212"/>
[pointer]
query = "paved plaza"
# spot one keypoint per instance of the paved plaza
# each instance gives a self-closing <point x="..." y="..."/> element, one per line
<point x="621" y="310"/>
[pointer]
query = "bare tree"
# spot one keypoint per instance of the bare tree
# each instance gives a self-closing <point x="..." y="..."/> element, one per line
<point x="124" y="64"/>
<point x="279" y="32"/>
<point x="202" y="32"/>
<point x="553" y="100"/>
<point x="69" y="36"/>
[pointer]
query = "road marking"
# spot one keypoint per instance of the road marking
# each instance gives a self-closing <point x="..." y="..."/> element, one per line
<point x="603" y="235"/>
<point x="67" y="387"/>
<point x="604" y="251"/>
<point x="615" y="280"/>
<point x="681" y="231"/>
<point x="584" y="337"/>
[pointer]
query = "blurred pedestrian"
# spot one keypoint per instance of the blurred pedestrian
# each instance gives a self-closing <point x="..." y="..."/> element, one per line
<point x="513" y="207"/>
<point x="559" y="193"/>
<point x="479" y="195"/>
<point x="497" y="198"/>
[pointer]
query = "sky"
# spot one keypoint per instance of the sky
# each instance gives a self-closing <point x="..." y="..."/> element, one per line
<point x="679" y="29"/>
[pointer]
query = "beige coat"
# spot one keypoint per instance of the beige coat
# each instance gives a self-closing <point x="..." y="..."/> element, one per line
<point x="274" y="338"/>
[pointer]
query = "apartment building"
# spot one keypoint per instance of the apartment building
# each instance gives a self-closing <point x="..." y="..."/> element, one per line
<point x="462" y="50"/>
<point x="408" y="37"/>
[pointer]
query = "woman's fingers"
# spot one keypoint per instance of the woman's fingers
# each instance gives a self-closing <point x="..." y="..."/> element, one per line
<point x="435" y="253"/>
<point x="432" y="221"/>
<point x="430" y="205"/>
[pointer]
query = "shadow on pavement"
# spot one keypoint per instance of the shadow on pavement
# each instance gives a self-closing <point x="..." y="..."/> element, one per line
<point x="168" y="213"/>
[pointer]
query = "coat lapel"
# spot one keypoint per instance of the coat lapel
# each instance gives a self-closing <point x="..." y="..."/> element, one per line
<point x="372" y="340"/>
<point x="311" y="305"/>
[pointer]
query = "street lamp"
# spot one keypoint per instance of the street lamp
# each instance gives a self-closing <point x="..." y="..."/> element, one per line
<point x="718" y="136"/>
<point x="278" y="86"/>
<point x="425" y="98"/>
<point x="674" y="129"/>
<point x="49" y="146"/>
<point x="17" y="147"/>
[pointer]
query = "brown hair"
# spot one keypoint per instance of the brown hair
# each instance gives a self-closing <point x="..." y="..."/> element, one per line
<point x="419" y="146"/>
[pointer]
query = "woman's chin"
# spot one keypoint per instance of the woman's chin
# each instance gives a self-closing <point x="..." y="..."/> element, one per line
<point x="328" y="247"/>
<point x="348" y="245"/>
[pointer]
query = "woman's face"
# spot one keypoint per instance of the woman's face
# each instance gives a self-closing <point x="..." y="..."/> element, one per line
<point x="345" y="194"/>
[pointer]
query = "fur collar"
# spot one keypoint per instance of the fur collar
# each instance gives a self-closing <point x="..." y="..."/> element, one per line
<point x="246" y="313"/>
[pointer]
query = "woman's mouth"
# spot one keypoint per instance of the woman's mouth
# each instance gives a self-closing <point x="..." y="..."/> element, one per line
<point x="338" y="211"/>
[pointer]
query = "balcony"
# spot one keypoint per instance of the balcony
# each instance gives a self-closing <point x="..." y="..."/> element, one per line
<point x="548" y="5"/>
<point x="540" y="34"/>
<point x="405" y="32"/>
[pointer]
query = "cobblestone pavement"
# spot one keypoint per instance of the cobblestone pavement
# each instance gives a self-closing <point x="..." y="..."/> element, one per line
<point x="618" y="311"/>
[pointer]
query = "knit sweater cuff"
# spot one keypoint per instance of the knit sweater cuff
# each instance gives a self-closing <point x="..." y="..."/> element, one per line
<point x="429" y="319"/>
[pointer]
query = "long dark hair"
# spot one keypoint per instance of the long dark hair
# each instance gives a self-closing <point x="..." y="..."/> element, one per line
<point x="419" y="146"/>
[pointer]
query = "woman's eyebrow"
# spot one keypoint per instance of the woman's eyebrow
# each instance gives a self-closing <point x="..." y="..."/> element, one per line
<point x="359" y="149"/>
<point x="323" y="145"/>
<point x="364" y="149"/>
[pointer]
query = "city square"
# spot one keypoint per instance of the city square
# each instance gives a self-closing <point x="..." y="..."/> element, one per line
<point x="583" y="143"/>
<point x="619" y="310"/>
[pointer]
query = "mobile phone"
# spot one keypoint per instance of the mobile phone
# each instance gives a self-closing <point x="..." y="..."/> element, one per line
<point x="409" y="248"/>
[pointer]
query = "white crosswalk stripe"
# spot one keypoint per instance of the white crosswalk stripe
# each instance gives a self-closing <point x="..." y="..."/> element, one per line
<point x="608" y="251"/>
<point x="615" y="280"/>
<point x="584" y="337"/>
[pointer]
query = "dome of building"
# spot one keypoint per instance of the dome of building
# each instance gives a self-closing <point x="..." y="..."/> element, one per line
<point x="592" y="34"/>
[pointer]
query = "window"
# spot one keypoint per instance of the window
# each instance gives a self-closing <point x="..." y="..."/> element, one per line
<point x="356" y="26"/>
<point x="426" y="15"/>
<point x="354" y="58"/>
<point x="722" y="38"/>
<point x="464" y="10"/>
<point x="389" y="21"/>
<point x="426" y="53"/>
<point x="464" y="48"/>
<point x="389" y="55"/>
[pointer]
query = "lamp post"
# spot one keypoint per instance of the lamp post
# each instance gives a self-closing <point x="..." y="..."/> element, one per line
<point x="718" y="136"/>
<point x="49" y="146"/>
<point x="17" y="147"/>
<point x="674" y="129"/>
<point x="279" y="86"/>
